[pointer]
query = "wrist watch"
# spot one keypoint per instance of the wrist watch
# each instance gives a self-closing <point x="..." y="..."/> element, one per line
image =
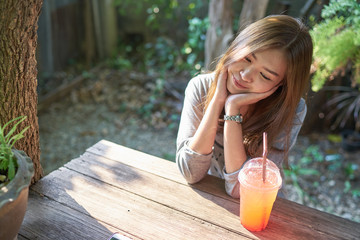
<point x="236" y="118"/>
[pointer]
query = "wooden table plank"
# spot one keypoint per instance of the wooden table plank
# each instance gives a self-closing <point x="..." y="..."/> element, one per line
<point x="124" y="210"/>
<point x="48" y="219"/>
<point x="155" y="165"/>
<point x="323" y="225"/>
<point x="140" y="160"/>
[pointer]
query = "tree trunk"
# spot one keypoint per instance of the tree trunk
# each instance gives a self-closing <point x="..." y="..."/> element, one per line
<point x="89" y="34"/>
<point x="252" y="11"/>
<point x="109" y="26"/>
<point x="220" y="32"/>
<point x="18" y="73"/>
<point x="97" y="27"/>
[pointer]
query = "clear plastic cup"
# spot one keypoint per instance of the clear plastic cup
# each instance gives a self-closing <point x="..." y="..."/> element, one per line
<point x="257" y="197"/>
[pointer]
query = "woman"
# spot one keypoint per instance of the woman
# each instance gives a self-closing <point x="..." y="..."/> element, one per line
<point x="257" y="87"/>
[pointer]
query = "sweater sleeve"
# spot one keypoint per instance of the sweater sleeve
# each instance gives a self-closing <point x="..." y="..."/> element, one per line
<point x="232" y="183"/>
<point x="192" y="165"/>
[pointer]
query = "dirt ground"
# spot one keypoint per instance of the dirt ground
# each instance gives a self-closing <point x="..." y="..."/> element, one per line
<point x="141" y="112"/>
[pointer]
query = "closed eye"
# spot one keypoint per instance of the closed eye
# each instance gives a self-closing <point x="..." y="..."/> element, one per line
<point x="265" y="76"/>
<point x="248" y="59"/>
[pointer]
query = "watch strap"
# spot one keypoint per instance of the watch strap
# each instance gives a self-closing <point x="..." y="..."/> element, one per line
<point x="236" y="118"/>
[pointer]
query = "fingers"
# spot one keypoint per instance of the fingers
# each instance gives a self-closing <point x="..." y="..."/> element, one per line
<point x="250" y="98"/>
<point x="223" y="74"/>
<point x="221" y="88"/>
<point x="222" y="78"/>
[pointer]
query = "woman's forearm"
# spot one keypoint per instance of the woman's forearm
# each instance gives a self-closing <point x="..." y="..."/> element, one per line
<point x="203" y="140"/>
<point x="234" y="151"/>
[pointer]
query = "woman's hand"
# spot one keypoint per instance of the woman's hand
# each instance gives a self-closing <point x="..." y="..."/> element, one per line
<point x="221" y="92"/>
<point x="238" y="103"/>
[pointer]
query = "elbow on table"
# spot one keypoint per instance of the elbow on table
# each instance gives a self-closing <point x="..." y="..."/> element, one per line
<point x="233" y="190"/>
<point x="190" y="177"/>
<point x="234" y="193"/>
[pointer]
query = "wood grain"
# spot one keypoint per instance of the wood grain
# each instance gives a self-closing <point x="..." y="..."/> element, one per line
<point x="124" y="210"/>
<point x="49" y="219"/>
<point x="111" y="188"/>
<point x="311" y="222"/>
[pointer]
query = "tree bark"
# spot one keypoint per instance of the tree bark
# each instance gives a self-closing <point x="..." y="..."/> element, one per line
<point x="219" y="33"/>
<point x="109" y="26"/>
<point x="18" y="72"/>
<point x="252" y="11"/>
<point x="89" y="34"/>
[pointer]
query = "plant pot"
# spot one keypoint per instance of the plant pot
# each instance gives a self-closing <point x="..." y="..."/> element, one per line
<point x="350" y="140"/>
<point x="14" y="197"/>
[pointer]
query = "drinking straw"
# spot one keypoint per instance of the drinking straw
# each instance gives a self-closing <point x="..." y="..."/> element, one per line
<point x="264" y="155"/>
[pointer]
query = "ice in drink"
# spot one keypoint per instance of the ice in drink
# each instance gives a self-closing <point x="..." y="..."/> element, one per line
<point x="256" y="196"/>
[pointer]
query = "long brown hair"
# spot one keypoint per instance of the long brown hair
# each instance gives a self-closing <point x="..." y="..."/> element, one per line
<point x="278" y="110"/>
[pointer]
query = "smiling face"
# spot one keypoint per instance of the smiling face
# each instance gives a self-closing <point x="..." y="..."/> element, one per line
<point x="257" y="72"/>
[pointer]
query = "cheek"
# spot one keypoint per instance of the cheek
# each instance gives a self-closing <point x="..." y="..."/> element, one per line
<point x="229" y="85"/>
<point x="235" y="66"/>
<point x="263" y="87"/>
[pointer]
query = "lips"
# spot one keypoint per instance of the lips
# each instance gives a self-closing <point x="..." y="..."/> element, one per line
<point x="237" y="82"/>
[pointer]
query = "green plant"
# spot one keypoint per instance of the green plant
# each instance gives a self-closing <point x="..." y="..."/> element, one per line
<point x="301" y="168"/>
<point x="154" y="102"/>
<point x="119" y="62"/>
<point x="165" y="49"/>
<point x="337" y="42"/>
<point x="345" y="107"/>
<point x="355" y="192"/>
<point x="337" y="51"/>
<point x="194" y="47"/>
<point x="162" y="55"/>
<point x="8" y="163"/>
<point x="350" y="170"/>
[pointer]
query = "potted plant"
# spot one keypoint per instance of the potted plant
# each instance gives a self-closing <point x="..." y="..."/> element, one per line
<point x="16" y="172"/>
<point x="337" y="54"/>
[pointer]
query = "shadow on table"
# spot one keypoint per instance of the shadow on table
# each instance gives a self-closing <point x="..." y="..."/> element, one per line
<point x="68" y="203"/>
<point x="49" y="219"/>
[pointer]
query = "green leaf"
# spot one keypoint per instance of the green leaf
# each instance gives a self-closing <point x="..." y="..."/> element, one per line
<point x="13" y="129"/>
<point x="355" y="193"/>
<point x="11" y="170"/>
<point x="4" y="163"/>
<point x="335" y="138"/>
<point x="7" y="140"/>
<point x="17" y="137"/>
<point x="2" y="178"/>
<point x="347" y="187"/>
<point x="308" y="171"/>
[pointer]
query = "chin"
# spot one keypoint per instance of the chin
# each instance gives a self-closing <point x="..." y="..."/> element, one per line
<point x="232" y="89"/>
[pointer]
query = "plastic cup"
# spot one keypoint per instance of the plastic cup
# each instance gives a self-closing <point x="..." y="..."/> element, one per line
<point x="257" y="197"/>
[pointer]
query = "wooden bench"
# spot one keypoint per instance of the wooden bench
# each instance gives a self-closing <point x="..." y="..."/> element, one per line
<point x="111" y="188"/>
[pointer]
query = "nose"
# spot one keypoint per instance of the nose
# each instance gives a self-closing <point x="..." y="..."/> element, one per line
<point x="246" y="75"/>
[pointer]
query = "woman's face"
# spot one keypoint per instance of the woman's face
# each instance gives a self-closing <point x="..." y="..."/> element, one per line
<point x="258" y="72"/>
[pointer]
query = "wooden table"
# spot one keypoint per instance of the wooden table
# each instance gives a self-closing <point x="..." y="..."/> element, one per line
<point x="111" y="188"/>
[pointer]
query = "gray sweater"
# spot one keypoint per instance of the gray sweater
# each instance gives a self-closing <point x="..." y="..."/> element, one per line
<point x="195" y="166"/>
